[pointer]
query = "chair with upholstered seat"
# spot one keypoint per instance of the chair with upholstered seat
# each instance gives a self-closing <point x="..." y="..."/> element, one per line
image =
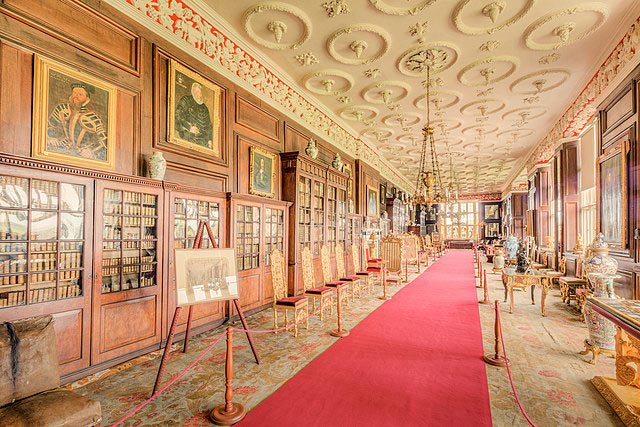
<point x="356" y="281"/>
<point x="569" y="285"/>
<point x="297" y="304"/>
<point x="321" y="293"/>
<point x="367" y="275"/>
<point x="392" y="249"/>
<point x="411" y="253"/>
<point x="340" y="286"/>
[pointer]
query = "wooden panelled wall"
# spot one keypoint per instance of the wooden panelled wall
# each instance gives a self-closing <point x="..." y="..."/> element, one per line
<point x="93" y="38"/>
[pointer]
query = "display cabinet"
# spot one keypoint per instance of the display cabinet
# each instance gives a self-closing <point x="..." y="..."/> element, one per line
<point x="257" y="226"/>
<point x="45" y="238"/>
<point x="353" y="234"/>
<point x="187" y="207"/>
<point x="128" y="268"/>
<point x="398" y="215"/>
<point x="318" y="215"/>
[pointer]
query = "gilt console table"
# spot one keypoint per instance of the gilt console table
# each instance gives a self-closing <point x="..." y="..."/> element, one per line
<point x="623" y="391"/>
<point x="513" y="281"/>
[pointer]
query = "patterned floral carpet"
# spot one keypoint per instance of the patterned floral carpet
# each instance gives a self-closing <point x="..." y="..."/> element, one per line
<point x="550" y="375"/>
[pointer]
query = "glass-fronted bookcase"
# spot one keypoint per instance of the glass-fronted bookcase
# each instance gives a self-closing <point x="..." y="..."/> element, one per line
<point x="318" y="215"/>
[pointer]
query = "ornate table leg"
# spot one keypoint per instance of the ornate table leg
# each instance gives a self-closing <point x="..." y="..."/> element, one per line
<point x="545" y="292"/>
<point x="510" y="299"/>
<point x="595" y="351"/>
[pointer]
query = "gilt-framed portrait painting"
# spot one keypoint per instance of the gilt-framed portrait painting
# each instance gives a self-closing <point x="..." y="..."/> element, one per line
<point x="74" y="116"/>
<point x="372" y="202"/>
<point x="194" y="112"/>
<point x="205" y="275"/>
<point x="613" y="197"/>
<point x="262" y="172"/>
<point x="491" y="212"/>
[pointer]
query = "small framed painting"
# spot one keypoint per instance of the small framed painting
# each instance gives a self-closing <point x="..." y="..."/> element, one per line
<point x="372" y="202"/>
<point x="194" y="111"/>
<point x="491" y="212"/>
<point x="205" y="275"/>
<point x="262" y="172"/>
<point x="74" y="117"/>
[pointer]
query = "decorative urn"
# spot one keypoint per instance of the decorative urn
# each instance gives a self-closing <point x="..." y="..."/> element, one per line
<point x="337" y="162"/>
<point x="312" y="149"/>
<point x="579" y="249"/>
<point x="511" y="247"/>
<point x="498" y="260"/>
<point x="522" y="260"/>
<point x="601" y="271"/>
<point x="157" y="166"/>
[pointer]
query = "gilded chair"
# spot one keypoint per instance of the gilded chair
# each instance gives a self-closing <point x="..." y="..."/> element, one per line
<point x="411" y="253"/>
<point x="423" y="250"/>
<point x="392" y="250"/>
<point x="356" y="282"/>
<point x="569" y="286"/>
<point x="327" y="276"/>
<point x="369" y="276"/>
<point x="322" y="293"/>
<point x="299" y="305"/>
<point x="553" y="274"/>
<point x="437" y="243"/>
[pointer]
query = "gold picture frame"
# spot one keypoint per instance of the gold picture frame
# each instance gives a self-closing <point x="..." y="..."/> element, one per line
<point x="194" y="111"/>
<point x="74" y="117"/>
<point x="372" y="202"/>
<point x="262" y="172"/>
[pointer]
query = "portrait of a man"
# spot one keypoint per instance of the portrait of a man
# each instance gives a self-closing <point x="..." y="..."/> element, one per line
<point x="193" y="111"/>
<point x="372" y="202"/>
<point x="73" y="117"/>
<point x="261" y="172"/>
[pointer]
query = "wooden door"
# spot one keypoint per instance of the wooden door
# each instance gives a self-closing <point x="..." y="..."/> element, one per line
<point x="127" y="291"/>
<point x="274" y="236"/>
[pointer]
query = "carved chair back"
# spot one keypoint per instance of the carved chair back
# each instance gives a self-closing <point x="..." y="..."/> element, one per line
<point x="277" y="275"/>
<point x="355" y="254"/>
<point x="411" y="247"/>
<point x="392" y="251"/>
<point x="326" y="264"/>
<point x="435" y="237"/>
<point x="562" y="265"/>
<point x="544" y="259"/>
<point x="427" y="240"/>
<point x="579" y="269"/>
<point x="340" y="269"/>
<point x="308" y="279"/>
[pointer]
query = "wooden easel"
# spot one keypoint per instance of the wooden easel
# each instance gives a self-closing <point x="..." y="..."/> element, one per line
<point x="197" y="244"/>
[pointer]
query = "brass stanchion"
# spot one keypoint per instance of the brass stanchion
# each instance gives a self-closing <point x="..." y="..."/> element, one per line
<point x="339" y="332"/>
<point x="497" y="359"/>
<point x="384" y="285"/>
<point x="228" y="413"/>
<point x="479" y="285"/>
<point x="486" y="290"/>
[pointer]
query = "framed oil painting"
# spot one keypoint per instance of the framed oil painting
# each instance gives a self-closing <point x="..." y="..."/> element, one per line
<point x="74" y="117"/>
<point x="613" y="200"/>
<point x="262" y="172"/>
<point x="194" y="112"/>
<point x="491" y="212"/>
<point x="372" y="202"/>
<point x="205" y="275"/>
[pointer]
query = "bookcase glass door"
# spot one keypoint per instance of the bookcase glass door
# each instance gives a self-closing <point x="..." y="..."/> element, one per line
<point x="304" y="214"/>
<point x="247" y="237"/>
<point x="332" y="217"/>
<point x="42" y="238"/>
<point x="274" y="231"/>
<point x="129" y="241"/>
<point x="342" y="217"/>
<point x="187" y="214"/>
<point x="318" y="216"/>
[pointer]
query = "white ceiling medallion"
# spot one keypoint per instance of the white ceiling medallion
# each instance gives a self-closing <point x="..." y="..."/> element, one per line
<point x="409" y="138"/>
<point x="268" y="23"/>
<point x="515" y="135"/>
<point x="386" y="92"/>
<point x="488" y="71"/>
<point x="540" y="81"/>
<point x="328" y="82"/>
<point x="359" y="44"/>
<point x="479" y="130"/>
<point x="402" y="120"/>
<point x="487" y="16"/>
<point x="445" y="125"/>
<point x="549" y="59"/>
<point x="359" y="113"/>
<point x="482" y="107"/>
<point x="411" y="8"/>
<point x="561" y="28"/>
<point x="438" y="55"/>
<point x="440" y="99"/>
<point x="524" y="113"/>
<point x="379" y="134"/>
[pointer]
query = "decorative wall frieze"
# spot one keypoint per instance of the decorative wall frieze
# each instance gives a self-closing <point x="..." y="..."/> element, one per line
<point x="186" y="24"/>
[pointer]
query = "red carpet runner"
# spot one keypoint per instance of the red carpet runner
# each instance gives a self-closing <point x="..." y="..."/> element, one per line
<point x="416" y="360"/>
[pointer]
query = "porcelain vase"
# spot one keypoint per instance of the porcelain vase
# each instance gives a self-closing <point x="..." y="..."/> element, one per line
<point x="601" y="269"/>
<point x="498" y="261"/>
<point x="157" y="166"/>
<point x="511" y="247"/>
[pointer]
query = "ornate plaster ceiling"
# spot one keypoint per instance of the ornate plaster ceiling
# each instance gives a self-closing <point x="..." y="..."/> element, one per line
<point x="503" y="72"/>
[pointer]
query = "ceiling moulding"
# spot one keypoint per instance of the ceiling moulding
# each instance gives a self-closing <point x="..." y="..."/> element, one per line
<point x="481" y="197"/>
<point x="194" y="27"/>
<point x="614" y="69"/>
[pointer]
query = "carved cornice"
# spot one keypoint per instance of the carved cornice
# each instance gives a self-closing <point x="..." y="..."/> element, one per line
<point x="210" y="44"/>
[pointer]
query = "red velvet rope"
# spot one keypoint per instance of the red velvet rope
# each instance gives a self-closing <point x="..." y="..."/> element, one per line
<point x="513" y="387"/>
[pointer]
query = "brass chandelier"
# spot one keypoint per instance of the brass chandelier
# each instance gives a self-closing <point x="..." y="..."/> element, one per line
<point x="429" y="188"/>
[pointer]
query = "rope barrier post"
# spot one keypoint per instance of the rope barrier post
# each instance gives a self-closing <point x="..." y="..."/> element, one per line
<point x="383" y="273"/>
<point x="480" y="274"/>
<point x="486" y="290"/>
<point x="228" y="413"/>
<point x="497" y="359"/>
<point x="340" y="333"/>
